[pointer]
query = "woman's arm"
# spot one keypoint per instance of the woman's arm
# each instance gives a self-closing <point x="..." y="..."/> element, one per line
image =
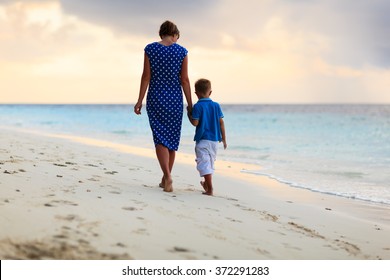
<point x="185" y="83"/>
<point x="145" y="79"/>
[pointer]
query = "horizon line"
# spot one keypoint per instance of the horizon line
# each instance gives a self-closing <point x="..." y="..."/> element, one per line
<point x="224" y="103"/>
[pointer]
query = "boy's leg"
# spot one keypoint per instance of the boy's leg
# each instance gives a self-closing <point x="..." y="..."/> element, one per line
<point x="204" y="185"/>
<point x="208" y="184"/>
<point x="205" y="156"/>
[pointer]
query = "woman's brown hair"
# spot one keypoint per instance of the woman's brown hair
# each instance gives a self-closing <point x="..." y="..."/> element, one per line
<point x="168" y="28"/>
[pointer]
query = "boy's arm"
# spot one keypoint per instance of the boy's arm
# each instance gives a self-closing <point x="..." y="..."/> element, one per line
<point x="192" y="121"/>
<point x="222" y="124"/>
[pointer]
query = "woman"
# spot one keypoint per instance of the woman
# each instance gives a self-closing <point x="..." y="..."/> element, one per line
<point x="166" y="74"/>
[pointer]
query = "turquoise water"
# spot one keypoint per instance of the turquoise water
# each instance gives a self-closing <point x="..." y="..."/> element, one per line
<point x="340" y="150"/>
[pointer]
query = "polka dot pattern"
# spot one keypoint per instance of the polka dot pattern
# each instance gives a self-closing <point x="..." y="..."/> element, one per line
<point x="164" y="102"/>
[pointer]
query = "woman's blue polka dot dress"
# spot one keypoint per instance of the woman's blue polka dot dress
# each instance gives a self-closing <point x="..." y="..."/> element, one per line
<point x="164" y="102"/>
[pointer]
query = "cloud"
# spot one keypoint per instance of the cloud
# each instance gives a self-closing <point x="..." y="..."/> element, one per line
<point x="139" y="17"/>
<point x="267" y="51"/>
<point x="356" y="30"/>
<point x="48" y="56"/>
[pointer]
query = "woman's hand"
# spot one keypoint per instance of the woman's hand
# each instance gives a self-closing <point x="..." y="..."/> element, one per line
<point x="137" y="108"/>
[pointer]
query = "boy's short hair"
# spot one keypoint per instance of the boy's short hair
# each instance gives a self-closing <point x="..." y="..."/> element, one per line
<point x="202" y="85"/>
<point x="168" y="28"/>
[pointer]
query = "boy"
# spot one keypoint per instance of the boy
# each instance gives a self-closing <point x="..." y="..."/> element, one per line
<point x="210" y="129"/>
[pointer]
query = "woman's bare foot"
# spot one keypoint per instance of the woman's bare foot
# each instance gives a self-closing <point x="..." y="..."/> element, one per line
<point x="168" y="185"/>
<point x="204" y="185"/>
<point x="161" y="185"/>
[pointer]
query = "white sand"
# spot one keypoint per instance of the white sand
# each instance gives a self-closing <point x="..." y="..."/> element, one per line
<point x="64" y="197"/>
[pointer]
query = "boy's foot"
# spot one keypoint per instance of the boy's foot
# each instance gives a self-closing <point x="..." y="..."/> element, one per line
<point x="204" y="185"/>
<point x="207" y="193"/>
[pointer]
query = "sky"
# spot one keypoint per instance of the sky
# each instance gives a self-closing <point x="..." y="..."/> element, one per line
<point x="253" y="51"/>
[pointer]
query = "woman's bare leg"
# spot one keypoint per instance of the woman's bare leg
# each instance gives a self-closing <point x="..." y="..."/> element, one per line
<point x="163" y="156"/>
<point x="172" y="155"/>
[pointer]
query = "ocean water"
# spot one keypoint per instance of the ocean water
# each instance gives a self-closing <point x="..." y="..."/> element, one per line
<point x="341" y="150"/>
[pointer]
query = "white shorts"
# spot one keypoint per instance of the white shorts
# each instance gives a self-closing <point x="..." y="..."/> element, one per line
<point x="206" y="154"/>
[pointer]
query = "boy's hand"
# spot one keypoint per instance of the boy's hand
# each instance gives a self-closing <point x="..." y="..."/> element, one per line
<point x="192" y="121"/>
<point x="224" y="144"/>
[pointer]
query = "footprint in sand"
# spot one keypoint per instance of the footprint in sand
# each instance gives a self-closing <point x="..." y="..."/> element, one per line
<point x="306" y="231"/>
<point x="184" y="252"/>
<point x="132" y="169"/>
<point x="141" y="231"/>
<point x="212" y="209"/>
<point x="10" y="172"/>
<point x="55" y="203"/>
<point x="115" y="192"/>
<point x="233" y="220"/>
<point x="55" y="248"/>
<point x="60" y="164"/>
<point x="269" y="216"/>
<point x="121" y="245"/>
<point x="180" y="249"/>
<point x="139" y="202"/>
<point x="265" y="215"/>
<point x="289" y="246"/>
<point x="91" y="165"/>
<point x="94" y="178"/>
<point x="68" y="218"/>
<point x="129" y="208"/>
<point x="349" y="247"/>
<point x="277" y="232"/>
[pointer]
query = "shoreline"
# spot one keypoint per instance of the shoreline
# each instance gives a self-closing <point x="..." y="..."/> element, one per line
<point x="241" y="170"/>
<point x="58" y="189"/>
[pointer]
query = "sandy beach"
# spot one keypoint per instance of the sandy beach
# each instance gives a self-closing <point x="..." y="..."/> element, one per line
<point x="65" y="197"/>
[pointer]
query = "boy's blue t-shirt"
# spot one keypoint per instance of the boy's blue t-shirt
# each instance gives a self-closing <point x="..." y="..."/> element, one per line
<point x="208" y="113"/>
